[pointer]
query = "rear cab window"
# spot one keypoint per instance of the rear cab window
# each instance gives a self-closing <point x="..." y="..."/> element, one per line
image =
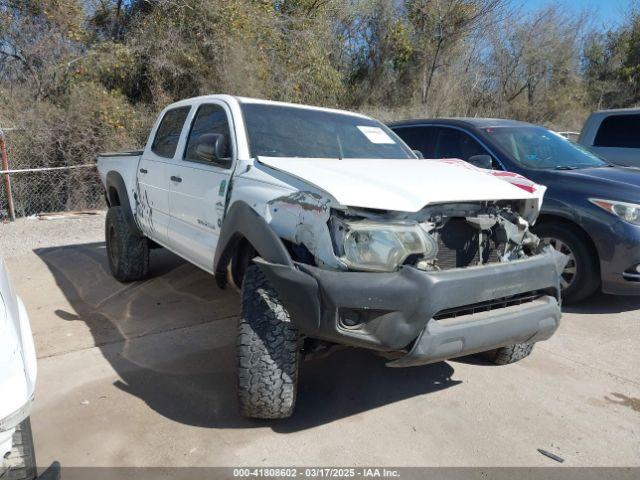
<point x="621" y="131"/>
<point x="168" y="133"/>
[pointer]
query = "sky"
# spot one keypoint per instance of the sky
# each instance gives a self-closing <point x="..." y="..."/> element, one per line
<point x="601" y="12"/>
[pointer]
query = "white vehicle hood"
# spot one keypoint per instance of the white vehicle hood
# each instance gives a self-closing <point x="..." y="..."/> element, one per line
<point x="406" y="185"/>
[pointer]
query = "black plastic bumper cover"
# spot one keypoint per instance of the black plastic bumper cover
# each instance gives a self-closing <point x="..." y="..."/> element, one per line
<point x="394" y="311"/>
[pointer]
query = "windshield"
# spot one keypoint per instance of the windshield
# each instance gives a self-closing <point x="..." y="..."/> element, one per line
<point x="281" y="131"/>
<point x="537" y="147"/>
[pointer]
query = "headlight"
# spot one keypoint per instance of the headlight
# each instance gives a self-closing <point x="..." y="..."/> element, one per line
<point x="383" y="247"/>
<point x="629" y="212"/>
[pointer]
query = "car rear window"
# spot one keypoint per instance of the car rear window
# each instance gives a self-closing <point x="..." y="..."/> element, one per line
<point x="622" y="131"/>
<point x="168" y="133"/>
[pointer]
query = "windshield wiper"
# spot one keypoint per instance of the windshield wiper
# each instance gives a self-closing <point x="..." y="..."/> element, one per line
<point x="565" y="167"/>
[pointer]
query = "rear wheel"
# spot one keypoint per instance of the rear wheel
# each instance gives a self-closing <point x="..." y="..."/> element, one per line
<point x="268" y="351"/>
<point x="128" y="252"/>
<point x="581" y="276"/>
<point x="20" y="464"/>
<point x="510" y="354"/>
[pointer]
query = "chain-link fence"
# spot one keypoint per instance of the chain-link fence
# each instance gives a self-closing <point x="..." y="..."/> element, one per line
<point x="46" y="189"/>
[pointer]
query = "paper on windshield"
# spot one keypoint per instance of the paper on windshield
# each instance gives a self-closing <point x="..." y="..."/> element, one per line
<point x="376" y="135"/>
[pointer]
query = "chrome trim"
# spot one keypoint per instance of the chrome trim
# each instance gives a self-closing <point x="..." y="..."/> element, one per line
<point x="631" y="276"/>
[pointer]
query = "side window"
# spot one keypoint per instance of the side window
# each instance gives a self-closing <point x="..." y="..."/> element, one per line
<point x="622" y="131"/>
<point x="168" y="133"/>
<point x="457" y="144"/>
<point x="419" y="138"/>
<point x="208" y="119"/>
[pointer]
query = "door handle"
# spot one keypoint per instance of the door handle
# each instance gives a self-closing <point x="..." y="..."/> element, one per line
<point x="143" y="170"/>
<point x="175" y="179"/>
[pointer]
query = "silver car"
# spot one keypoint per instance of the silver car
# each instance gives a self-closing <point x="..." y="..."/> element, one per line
<point x="614" y="135"/>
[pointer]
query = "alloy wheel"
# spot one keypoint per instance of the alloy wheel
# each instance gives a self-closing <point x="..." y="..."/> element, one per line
<point x="568" y="275"/>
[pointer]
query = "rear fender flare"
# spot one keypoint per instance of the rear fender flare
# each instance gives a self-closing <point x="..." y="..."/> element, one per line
<point x="115" y="181"/>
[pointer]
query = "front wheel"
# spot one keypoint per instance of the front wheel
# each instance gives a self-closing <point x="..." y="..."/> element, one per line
<point x="581" y="276"/>
<point x="268" y="351"/>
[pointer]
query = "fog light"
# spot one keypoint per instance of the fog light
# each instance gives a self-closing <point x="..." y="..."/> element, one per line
<point x="350" y="319"/>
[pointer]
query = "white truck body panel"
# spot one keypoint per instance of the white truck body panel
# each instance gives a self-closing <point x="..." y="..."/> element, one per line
<point x="126" y="166"/>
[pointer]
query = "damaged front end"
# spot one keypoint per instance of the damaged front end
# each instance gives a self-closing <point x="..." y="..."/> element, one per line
<point x="439" y="237"/>
<point x="449" y="280"/>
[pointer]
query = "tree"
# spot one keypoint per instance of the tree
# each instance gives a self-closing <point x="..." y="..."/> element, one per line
<point x="439" y="25"/>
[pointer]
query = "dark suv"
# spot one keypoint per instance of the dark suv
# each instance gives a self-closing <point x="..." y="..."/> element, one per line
<point x="591" y="210"/>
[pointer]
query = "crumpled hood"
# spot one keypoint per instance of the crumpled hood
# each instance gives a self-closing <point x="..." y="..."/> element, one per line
<point x="405" y="185"/>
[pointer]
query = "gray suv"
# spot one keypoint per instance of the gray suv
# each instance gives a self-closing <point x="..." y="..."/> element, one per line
<point x="614" y="135"/>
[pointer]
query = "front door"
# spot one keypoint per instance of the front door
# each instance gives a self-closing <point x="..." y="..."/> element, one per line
<point x="152" y="189"/>
<point x="198" y="187"/>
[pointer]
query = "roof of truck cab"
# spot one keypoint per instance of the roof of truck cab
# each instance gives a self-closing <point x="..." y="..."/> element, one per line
<point x="241" y="100"/>
<point x="462" y="122"/>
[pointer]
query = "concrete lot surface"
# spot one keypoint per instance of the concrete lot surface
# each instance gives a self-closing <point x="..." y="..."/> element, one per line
<point x="143" y="375"/>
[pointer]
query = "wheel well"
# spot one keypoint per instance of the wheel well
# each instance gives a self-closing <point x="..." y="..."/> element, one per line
<point x="244" y="252"/>
<point x="574" y="226"/>
<point x="113" y="197"/>
<point x="241" y="257"/>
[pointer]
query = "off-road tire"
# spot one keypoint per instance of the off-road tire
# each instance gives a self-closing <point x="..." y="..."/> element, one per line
<point x="587" y="276"/>
<point x="268" y="351"/>
<point x="21" y="462"/>
<point x="127" y="251"/>
<point x="510" y="354"/>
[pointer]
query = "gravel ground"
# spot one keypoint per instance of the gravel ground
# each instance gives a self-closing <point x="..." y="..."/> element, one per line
<point x="27" y="234"/>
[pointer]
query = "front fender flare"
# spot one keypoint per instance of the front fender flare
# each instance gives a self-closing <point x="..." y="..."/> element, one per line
<point x="242" y="221"/>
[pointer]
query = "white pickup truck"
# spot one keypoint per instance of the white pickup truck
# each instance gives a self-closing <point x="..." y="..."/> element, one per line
<point x="338" y="235"/>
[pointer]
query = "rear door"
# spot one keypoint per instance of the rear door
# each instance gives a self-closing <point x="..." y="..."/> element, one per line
<point x="152" y="189"/>
<point x="198" y="186"/>
<point x="618" y="140"/>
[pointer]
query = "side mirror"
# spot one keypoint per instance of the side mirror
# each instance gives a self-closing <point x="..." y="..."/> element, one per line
<point x="210" y="148"/>
<point x="418" y="153"/>
<point x="481" y="161"/>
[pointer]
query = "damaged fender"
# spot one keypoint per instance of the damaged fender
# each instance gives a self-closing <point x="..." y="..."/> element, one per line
<point x="242" y="221"/>
<point x="302" y="218"/>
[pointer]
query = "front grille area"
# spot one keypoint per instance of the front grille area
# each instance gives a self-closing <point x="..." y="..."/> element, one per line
<point x="458" y="246"/>
<point x="490" y="305"/>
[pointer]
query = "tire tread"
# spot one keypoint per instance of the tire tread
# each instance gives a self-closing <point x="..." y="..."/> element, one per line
<point x="267" y="351"/>
<point x="133" y="260"/>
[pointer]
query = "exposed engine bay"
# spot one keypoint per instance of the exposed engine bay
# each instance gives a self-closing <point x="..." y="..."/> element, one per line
<point x="439" y="237"/>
